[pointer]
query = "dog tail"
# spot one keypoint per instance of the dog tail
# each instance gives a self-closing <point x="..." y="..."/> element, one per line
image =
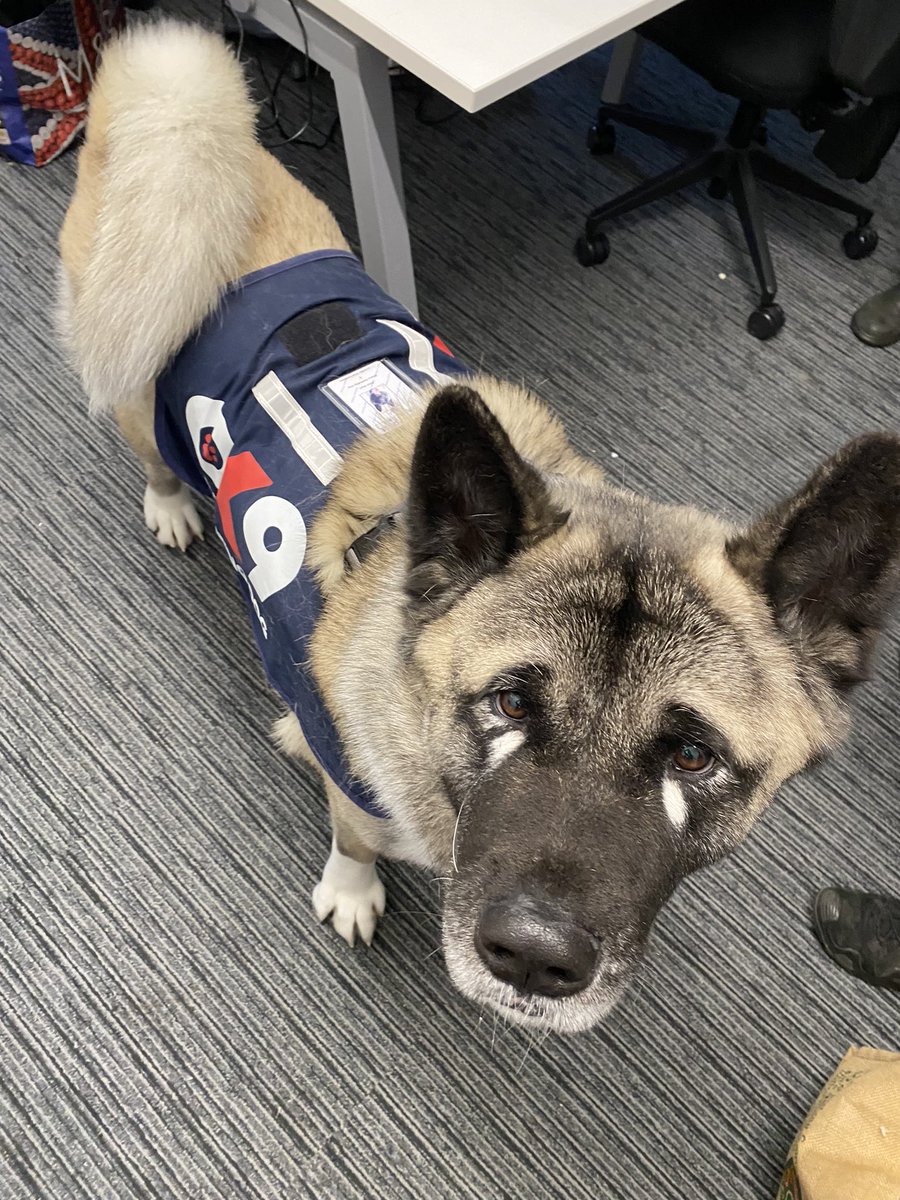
<point x="171" y="135"/>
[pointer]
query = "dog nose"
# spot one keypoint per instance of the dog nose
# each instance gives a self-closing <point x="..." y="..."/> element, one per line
<point x="536" y="947"/>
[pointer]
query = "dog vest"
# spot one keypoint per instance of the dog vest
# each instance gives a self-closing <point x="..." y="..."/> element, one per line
<point x="258" y="409"/>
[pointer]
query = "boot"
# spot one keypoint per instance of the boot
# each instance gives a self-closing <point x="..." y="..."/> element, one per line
<point x="877" y="323"/>
<point x="861" y="932"/>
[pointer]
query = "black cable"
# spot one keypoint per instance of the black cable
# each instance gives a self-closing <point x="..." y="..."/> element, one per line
<point x="406" y="83"/>
<point x="432" y="121"/>
<point x="240" y="25"/>
<point x="324" y="139"/>
<point x="272" y="89"/>
<point x="271" y="99"/>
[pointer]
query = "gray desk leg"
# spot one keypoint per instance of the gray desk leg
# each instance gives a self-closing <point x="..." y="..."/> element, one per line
<point x="626" y="57"/>
<point x="366" y="109"/>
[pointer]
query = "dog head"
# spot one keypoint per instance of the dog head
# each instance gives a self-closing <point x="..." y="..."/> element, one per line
<point x="613" y="690"/>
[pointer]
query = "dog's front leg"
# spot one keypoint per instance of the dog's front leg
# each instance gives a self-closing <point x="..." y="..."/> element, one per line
<point x="349" y="892"/>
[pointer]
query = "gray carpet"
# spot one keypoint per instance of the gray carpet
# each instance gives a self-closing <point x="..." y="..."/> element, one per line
<point x="174" y="1022"/>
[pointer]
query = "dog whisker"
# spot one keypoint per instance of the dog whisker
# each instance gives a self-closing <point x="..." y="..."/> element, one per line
<point x="455" y="832"/>
<point x="531" y="1039"/>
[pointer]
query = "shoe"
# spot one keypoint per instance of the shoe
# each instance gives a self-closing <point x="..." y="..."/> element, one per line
<point x="877" y="322"/>
<point x="861" y="932"/>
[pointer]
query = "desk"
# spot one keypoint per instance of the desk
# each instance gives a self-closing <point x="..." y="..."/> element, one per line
<point x="472" y="51"/>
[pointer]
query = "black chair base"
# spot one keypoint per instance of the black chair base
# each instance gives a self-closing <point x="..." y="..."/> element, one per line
<point x="732" y="165"/>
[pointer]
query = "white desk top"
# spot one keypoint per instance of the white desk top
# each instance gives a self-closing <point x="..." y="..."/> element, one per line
<point x="475" y="51"/>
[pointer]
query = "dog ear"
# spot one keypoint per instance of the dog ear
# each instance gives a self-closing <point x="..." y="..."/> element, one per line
<point x="473" y="500"/>
<point x="828" y="559"/>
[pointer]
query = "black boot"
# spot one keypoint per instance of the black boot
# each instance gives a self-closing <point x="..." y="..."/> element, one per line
<point x="877" y="323"/>
<point x="861" y="932"/>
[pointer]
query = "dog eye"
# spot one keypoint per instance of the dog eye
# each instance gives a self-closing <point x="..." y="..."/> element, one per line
<point x="692" y="758"/>
<point x="511" y="704"/>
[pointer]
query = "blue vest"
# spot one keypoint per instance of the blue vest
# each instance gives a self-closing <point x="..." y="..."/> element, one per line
<point x="258" y="410"/>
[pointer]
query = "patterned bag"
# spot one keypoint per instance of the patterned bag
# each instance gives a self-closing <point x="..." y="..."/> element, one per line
<point x="48" y="55"/>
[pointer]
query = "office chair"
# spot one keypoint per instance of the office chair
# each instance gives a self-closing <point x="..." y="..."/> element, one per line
<point x="799" y="55"/>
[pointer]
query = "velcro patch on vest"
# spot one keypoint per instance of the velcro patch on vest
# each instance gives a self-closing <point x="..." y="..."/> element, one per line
<point x="319" y="331"/>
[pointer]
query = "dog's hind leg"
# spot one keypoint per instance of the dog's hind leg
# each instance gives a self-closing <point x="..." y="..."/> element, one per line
<point x="350" y="892"/>
<point x="169" y="510"/>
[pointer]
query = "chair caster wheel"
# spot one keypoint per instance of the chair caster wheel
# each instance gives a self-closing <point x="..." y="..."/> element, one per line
<point x="590" y="252"/>
<point x="860" y="242"/>
<point x="718" y="187"/>
<point x="601" y="138"/>
<point x="767" y="320"/>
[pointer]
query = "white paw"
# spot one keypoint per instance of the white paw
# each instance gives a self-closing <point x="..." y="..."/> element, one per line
<point x="172" y="518"/>
<point x="351" y="894"/>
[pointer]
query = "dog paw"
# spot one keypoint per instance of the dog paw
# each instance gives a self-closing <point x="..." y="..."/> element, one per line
<point x="352" y="895"/>
<point x="172" y="518"/>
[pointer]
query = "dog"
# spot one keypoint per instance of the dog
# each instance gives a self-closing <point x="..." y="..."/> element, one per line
<point x="558" y="695"/>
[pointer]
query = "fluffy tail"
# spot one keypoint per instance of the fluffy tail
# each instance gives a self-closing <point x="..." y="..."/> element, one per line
<point x="172" y="128"/>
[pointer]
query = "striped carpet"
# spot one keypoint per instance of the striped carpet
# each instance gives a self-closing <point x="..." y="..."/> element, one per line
<point x="174" y="1022"/>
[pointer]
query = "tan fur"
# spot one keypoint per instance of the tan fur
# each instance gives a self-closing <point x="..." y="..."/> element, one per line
<point x="358" y="659"/>
<point x="153" y="81"/>
<point x="291" y="219"/>
<point x="356" y="834"/>
<point x="80" y="224"/>
<point x="791" y="729"/>
<point x="375" y="476"/>
<point x="135" y="420"/>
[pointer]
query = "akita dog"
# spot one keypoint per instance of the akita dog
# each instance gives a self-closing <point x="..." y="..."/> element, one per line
<point x="560" y="695"/>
